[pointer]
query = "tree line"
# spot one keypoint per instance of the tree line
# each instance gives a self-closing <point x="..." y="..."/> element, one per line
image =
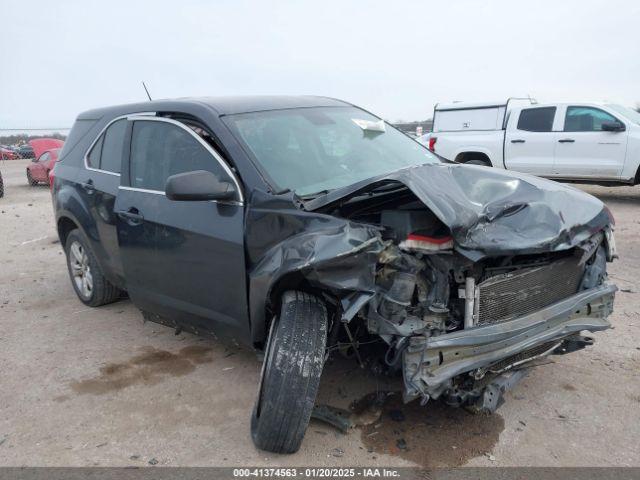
<point x="20" y="138"/>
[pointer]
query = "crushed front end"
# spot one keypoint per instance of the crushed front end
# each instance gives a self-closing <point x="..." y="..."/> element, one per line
<point x="464" y="330"/>
<point x="481" y="274"/>
<point x="458" y="277"/>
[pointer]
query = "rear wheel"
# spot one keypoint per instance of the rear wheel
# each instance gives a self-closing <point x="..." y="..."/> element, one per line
<point x="91" y="286"/>
<point x="30" y="179"/>
<point x="293" y="363"/>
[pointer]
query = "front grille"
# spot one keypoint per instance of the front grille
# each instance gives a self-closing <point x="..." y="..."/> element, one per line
<point x="522" y="357"/>
<point x="514" y="294"/>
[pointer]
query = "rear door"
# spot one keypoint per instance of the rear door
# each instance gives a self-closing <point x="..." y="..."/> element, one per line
<point x="584" y="150"/>
<point x="530" y="141"/>
<point x="99" y="182"/>
<point x="184" y="260"/>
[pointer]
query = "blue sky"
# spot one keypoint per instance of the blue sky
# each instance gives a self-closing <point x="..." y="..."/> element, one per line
<point x="396" y="58"/>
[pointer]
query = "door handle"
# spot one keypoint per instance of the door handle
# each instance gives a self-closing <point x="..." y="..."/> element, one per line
<point x="132" y="216"/>
<point x="518" y="140"/>
<point x="566" y="140"/>
<point x="89" y="187"/>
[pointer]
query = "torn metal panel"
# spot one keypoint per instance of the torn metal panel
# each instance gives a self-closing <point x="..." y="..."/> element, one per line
<point x="326" y="251"/>
<point x="489" y="211"/>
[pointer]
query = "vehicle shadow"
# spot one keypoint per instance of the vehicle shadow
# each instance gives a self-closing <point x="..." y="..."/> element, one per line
<point x="620" y="199"/>
<point x="613" y="195"/>
<point x="433" y="435"/>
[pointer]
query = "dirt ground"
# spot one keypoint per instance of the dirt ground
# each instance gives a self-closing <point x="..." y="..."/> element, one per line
<point x="83" y="387"/>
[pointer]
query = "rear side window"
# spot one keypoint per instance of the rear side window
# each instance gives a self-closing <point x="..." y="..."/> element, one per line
<point x="586" y="119"/>
<point x="159" y="150"/>
<point x="93" y="159"/>
<point x="111" y="158"/>
<point x="106" y="154"/>
<point x="537" y="119"/>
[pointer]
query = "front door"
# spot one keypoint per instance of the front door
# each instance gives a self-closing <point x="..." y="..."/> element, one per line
<point x="584" y="150"/>
<point x="183" y="260"/>
<point x="530" y="143"/>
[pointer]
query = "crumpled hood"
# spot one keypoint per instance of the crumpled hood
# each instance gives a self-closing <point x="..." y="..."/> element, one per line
<point x="41" y="145"/>
<point x="491" y="211"/>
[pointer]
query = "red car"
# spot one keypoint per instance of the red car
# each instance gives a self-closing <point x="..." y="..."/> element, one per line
<point x="46" y="154"/>
<point x="8" y="154"/>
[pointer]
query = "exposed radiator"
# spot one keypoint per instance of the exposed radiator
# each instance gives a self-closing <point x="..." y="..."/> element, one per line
<point x="514" y="294"/>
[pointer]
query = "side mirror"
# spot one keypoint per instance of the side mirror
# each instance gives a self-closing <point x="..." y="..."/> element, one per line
<point x="613" y="127"/>
<point x="198" y="185"/>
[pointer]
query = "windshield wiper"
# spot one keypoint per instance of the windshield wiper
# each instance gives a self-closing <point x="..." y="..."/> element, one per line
<point x="311" y="196"/>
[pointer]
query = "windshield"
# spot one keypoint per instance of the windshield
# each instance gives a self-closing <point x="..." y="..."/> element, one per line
<point x="312" y="150"/>
<point x="627" y="112"/>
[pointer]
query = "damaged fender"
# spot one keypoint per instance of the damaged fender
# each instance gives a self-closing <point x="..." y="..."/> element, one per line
<point x="288" y="245"/>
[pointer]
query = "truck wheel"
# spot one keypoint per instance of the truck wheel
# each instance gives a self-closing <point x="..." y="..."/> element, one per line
<point x="477" y="161"/>
<point x="92" y="288"/>
<point x="30" y="179"/>
<point x="290" y="378"/>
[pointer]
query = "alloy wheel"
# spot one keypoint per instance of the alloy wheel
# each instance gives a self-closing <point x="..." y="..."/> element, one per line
<point x="80" y="269"/>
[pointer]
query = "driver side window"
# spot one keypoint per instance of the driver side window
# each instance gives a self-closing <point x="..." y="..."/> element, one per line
<point x="161" y="149"/>
<point x="586" y="119"/>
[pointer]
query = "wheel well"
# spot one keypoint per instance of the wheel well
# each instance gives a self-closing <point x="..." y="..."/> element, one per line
<point x="65" y="226"/>
<point x="464" y="157"/>
<point x="636" y="180"/>
<point x="292" y="281"/>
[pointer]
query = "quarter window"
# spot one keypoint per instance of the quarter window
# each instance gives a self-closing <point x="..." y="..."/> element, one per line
<point x="44" y="157"/>
<point x="93" y="159"/>
<point x="111" y="157"/>
<point x="106" y="154"/>
<point x="537" y="119"/>
<point x="159" y="150"/>
<point x="586" y="119"/>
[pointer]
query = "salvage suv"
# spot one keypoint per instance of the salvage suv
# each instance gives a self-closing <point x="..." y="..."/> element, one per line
<point x="301" y="226"/>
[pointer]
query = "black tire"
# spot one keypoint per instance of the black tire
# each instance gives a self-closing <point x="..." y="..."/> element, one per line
<point x="30" y="179"/>
<point x="1" y="187"/>
<point x="101" y="291"/>
<point x="288" y="385"/>
<point x="477" y="161"/>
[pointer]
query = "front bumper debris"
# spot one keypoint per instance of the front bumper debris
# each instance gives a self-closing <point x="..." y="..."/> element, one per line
<point x="431" y="363"/>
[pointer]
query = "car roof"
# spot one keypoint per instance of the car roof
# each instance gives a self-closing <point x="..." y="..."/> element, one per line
<point x="220" y="105"/>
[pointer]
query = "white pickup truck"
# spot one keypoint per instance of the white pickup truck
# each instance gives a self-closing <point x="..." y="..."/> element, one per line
<point x="575" y="142"/>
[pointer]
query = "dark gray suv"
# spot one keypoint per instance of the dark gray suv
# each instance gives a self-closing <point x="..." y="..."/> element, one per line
<point x="300" y="226"/>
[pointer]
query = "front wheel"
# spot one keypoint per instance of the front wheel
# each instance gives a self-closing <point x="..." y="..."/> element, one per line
<point x="293" y="363"/>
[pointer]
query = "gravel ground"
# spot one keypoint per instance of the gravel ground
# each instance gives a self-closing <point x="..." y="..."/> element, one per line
<point x="84" y="387"/>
